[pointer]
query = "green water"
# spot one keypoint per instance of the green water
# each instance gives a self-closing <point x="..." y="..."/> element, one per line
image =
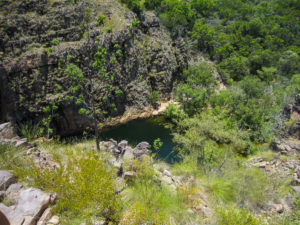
<point x="144" y="130"/>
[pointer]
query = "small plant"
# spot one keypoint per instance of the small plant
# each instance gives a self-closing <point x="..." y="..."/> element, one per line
<point x="136" y="23"/>
<point x="50" y="112"/>
<point x="30" y="130"/>
<point x="116" y="46"/>
<point x="119" y="92"/>
<point x="100" y="20"/>
<point x="74" y="2"/>
<point x="113" y="107"/>
<point x="55" y="42"/>
<point x="119" y="53"/>
<point x="157" y="144"/>
<point x="59" y="88"/>
<point x="153" y="97"/>
<point x="109" y="29"/>
<point x="61" y="63"/>
<point x="50" y="50"/>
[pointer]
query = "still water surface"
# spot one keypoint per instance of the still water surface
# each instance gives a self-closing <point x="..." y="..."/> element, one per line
<point x="144" y="130"/>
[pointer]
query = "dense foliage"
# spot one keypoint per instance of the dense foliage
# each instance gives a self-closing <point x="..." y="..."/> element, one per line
<point x="242" y="36"/>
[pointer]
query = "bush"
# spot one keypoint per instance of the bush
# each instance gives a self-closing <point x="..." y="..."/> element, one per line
<point x="173" y="112"/>
<point x="153" y="97"/>
<point x="235" y="67"/>
<point x="201" y="75"/>
<point x="204" y="35"/>
<point x="55" y="42"/>
<point x="136" y="23"/>
<point x="247" y="187"/>
<point x="11" y="157"/>
<point x="148" y="203"/>
<point x="289" y="63"/>
<point x="178" y="16"/>
<point x="84" y="184"/>
<point x="109" y="29"/>
<point x="100" y="20"/>
<point x="295" y="82"/>
<point x="236" y="216"/>
<point x="135" y="5"/>
<point x="192" y="99"/>
<point x="30" y="130"/>
<point x="152" y="4"/>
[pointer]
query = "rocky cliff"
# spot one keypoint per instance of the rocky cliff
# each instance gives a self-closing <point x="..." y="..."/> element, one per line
<point x="38" y="36"/>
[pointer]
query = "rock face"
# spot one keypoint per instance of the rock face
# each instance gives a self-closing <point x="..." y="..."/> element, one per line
<point x="37" y="37"/>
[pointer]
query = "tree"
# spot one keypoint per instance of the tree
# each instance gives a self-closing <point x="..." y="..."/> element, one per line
<point x="267" y="74"/>
<point x="204" y="7"/>
<point x="90" y="89"/>
<point x="204" y="36"/>
<point x="235" y="67"/>
<point x="295" y="82"/>
<point x="289" y="63"/>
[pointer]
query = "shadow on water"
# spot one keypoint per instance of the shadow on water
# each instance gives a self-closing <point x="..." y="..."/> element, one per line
<point x="144" y="130"/>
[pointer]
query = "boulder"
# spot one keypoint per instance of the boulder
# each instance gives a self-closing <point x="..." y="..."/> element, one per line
<point x="7" y="131"/>
<point x="140" y="150"/>
<point x="128" y="154"/>
<point x="122" y="146"/>
<point x="6" y="179"/>
<point x="167" y="173"/>
<point x="13" y="191"/>
<point x="129" y="175"/>
<point x="14" y="217"/>
<point x="22" y="143"/>
<point x="31" y="202"/>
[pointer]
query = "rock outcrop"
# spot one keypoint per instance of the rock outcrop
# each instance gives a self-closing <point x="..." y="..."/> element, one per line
<point x="36" y="38"/>
<point x="27" y="206"/>
<point x="10" y="137"/>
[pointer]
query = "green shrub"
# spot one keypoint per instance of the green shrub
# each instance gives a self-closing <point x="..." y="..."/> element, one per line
<point x="295" y="82"/>
<point x="153" y="97"/>
<point x="248" y="187"/>
<point x="8" y="156"/>
<point x="152" y="4"/>
<point x="119" y="92"/>
<point x="109" y="29"/>
<point x="30" y="130"/>
<point x="85" y="186"/>
<point x="235" y="67"/>
<point x="204" y="7"/>
<point x="178" y="16"/>
<point x="136" y="23"/>
<point x="236" y="216"/>
<point x="173" y="112"/>
<point x="204" y="35"/>
<point x="135" y="5"/>
<point x="100" y="20"/>
<point x="55" y="42"/>
<point x="149" y="203"/>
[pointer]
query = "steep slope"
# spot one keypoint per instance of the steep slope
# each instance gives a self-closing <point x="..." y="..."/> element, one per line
<point x="37" y="38"/>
